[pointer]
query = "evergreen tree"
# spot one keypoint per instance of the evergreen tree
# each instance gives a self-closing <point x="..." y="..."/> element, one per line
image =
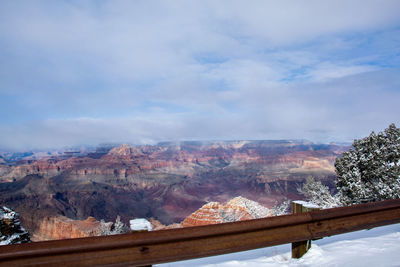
<point x="282" y="208"/>
<point x="120" y="227"/>
<point x="113" y="229"/>
<point x="370" y="171"/>
<point x="105" y="228"/>
<point x="317" y="193"/>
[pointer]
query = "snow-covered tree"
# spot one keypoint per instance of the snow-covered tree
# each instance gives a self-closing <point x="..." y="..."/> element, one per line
<point x="370" y="171"/>
<point x="119" y="227"/>
<point x="113" y="229"/>
<point x="105" y="228"/>
<point x="281" y="208"/>
<point x="318" y="194"/>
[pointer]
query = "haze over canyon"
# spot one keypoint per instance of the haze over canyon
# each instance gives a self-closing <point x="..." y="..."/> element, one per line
<point x="165" y="182"/>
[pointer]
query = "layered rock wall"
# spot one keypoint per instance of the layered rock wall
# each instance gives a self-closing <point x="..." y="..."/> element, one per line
<point x="237" y="209"/>
<point x="60" y="227"/>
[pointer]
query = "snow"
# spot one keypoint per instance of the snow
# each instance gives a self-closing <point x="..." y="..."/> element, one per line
<point x="7" y="213"/>
<point x="19" y="234"/>
<point x="376" y="247"/>
<point x="254" y="208"/>
<point x="5" y="242"/>
<point x="140" y="225"/>
<point x="11" y="239"/>
<point x="308" y="205"/>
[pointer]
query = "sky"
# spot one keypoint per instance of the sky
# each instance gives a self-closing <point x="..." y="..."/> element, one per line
<point x="90" y="72"/>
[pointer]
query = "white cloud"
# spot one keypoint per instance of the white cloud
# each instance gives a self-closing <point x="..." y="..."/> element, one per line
<point x="152" y="70"/>
<point x="325" y="71"/>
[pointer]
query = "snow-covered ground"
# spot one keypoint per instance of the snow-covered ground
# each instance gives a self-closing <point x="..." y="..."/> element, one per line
<point x="376" y="247"/>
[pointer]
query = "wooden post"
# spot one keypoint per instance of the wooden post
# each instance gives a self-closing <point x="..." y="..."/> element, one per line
<point x="138" y="226"/>
<point x="300" y="248"/>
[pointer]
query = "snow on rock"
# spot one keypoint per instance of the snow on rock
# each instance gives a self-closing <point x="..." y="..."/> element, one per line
<point x="125" y="151"/>
<point x="11" y="231"/>
<point x="237" y="209"/>
<point x="255" y="209"/>
<point x="306" y="204"/>
<point x="140" y="225"/>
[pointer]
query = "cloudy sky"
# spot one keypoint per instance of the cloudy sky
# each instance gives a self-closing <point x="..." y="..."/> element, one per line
<point x="89" y="72"/>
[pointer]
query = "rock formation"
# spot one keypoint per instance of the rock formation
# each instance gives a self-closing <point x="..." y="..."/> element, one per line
<point x="61" y="227"/>
<point x="11" y="231"/>
<point x="157" y="225"/>
<point x="238" y="209"/>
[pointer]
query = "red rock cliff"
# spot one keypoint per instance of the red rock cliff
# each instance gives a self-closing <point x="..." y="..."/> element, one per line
<point x="238" y="209"/>
<point x="61" y="227"/>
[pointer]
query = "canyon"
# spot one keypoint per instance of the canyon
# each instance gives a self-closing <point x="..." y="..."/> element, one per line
<point x="237" y="209"/>
<point x="166" y="182"/>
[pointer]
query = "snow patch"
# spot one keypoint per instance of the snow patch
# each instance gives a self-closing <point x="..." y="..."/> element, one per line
<point x="140" y="225"/>
<point x="306" y="204"/>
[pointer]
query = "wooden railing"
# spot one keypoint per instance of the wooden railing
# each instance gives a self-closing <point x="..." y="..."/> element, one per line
<point x="146" y="248"/>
